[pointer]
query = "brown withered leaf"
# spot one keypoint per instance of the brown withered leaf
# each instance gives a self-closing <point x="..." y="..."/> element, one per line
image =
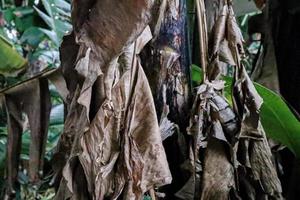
<point x="212" y="127"/>
<point x="111" y="141"/>
<point x="213" y="124"/>
<point x="230" y="156"/>
<point x="261" y="172"/>
<point x="129" y="139"/>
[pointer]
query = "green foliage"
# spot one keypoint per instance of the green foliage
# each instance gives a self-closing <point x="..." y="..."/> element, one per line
<point x="36" y="31"/>
<point x="11" y="62"/>
<point x="55" y="128"/>
<point x="277" y="119"/>
<point x="146" y="197"/>
<point x="3" y="141"/>
<point x="56" y="17"/>
<point x="22" y="17"/>
<point x="31" y="35"/>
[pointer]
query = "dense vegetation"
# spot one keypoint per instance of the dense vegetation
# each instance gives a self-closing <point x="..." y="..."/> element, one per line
<point x="31" y="33"/>
<point x="30" y="36"/>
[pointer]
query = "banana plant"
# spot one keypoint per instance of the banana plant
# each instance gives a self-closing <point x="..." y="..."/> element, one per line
<point x="55" y="128"/>
<point x="278" y="120"/>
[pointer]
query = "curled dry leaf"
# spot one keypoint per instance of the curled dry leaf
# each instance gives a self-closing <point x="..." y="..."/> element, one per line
<point x="229" y="154"/>
<point x="212" y="127"/>
<point x="261" y="174"/>
<point x="111" y="145"/>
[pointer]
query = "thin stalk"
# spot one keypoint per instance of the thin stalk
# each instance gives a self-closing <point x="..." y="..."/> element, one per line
<point x="3" y="4"/>
<point x="152" y="194"/>
<point x="200" y="9"/>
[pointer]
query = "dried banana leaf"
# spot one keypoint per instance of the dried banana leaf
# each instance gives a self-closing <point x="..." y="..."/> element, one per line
<point x="111" y="141"/>
<point x="253" y="151"/>
<point x="212" y="126"/>
<point x="129" y="139"/>
<point x="230" y="156"/>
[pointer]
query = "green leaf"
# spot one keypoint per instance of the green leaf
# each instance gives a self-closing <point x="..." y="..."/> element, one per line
<point x="48" y="57"/>
<point x="8" y="14"/>
<point x="197" y="74"/>
<point x="47" y="19"/>
<point x="277" y="119"/>
<point x="57" y="115"/>
<point x="23" y="11"/>
<point x="52" y="35"/>
<point x="62" y="27"/>
<point x="63" y="12"/>
<point x="244" y="7"/>
<point x="47" y="5"/>
<point x="56" y="17"/>
<point x="32" y="36"/>
<point x="26" y="141"/>
<point x="24" y="18"/>
<point x="147" y="197"/>
<point x="3" y="142"/>
<point x="11" y="63"/>
<point x="63" y="5"/>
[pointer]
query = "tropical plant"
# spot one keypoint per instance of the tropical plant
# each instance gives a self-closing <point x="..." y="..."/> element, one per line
<point x="279" y="121"/>
<point x="31" y="33"/>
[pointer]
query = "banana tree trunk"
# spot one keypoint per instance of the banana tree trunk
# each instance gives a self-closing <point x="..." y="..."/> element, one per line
<point x="167" y="66"/>
<point x="33" y="99"/>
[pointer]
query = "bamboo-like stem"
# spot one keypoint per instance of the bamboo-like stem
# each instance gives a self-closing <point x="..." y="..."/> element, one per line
<point x="200" y="9"/>
<point x="152" y="194"/>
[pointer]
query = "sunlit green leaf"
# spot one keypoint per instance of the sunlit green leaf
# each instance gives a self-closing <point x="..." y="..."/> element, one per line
<point x="11" y="63"/>
<point x="47" y="19"/>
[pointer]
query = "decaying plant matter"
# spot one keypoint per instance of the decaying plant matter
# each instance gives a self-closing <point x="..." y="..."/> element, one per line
<point x="166" y="63"/>
<point x="229" y="153"/>
<point x="36" y="105"/>
<point x="165" y="60"/>
<point x="111" y="146"/>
